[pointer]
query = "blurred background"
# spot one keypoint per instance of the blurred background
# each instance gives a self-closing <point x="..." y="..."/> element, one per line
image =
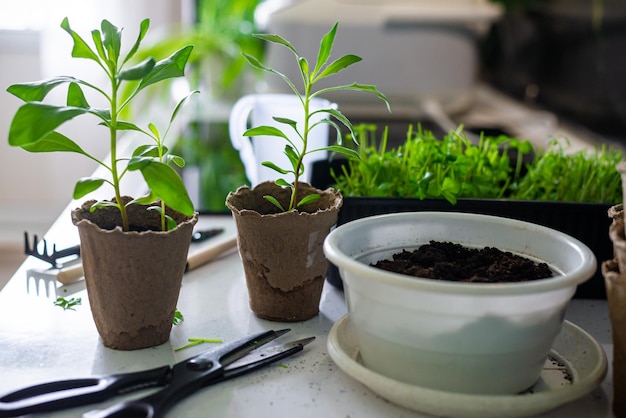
<point x="535" y="69"/>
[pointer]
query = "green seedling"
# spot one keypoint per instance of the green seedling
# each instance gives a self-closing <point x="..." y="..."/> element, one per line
<point x="68" y="304"/>
<point x="582" y="176"/>
<point x="34" y="126"/>
<point x="452" y="168"/>
<point x="296" y="147"/>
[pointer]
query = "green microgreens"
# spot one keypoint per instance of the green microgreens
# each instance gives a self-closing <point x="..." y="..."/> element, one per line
<point x="452" y="168"/>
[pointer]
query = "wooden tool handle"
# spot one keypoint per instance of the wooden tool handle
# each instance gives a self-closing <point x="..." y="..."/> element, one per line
<point x="70" y="274"/>
<point x="209" y="253"/>
<point x="195" y="259"/>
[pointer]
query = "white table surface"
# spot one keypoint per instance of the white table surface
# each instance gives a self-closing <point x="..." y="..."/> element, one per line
<point x="41" y="342"/>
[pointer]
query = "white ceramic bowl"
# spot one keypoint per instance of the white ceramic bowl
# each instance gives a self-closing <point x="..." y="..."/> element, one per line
<point x="487" y="338"/>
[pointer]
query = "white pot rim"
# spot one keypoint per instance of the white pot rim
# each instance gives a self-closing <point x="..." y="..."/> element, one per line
<point x="586" y="265"/>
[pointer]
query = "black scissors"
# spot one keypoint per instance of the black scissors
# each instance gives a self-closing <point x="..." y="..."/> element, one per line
<point x="184" y="378"/>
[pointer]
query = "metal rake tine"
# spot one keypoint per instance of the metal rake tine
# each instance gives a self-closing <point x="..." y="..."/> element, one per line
<point x="33" y="251"/>
<point x="44" y="255"/>
<point x="27" y="248"/>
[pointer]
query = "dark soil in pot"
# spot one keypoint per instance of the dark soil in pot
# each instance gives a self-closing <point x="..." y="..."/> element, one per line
<point x="454" y="262"/>
<point x="139" y="217"/>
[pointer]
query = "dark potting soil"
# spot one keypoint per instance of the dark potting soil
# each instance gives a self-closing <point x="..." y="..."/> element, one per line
<point x="454" y="262"/>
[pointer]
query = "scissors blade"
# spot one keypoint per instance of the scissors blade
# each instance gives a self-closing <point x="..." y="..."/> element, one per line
<point x="262" y="357"/>
<point x="229" y="353"/>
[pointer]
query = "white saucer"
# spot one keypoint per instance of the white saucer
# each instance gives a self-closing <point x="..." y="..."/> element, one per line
<point x="577" y="364"/>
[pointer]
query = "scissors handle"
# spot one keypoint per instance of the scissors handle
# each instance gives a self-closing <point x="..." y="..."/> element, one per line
<point x="63" y="394"/>
<point x="188" y="376"/>
<point x="157" y="404"/>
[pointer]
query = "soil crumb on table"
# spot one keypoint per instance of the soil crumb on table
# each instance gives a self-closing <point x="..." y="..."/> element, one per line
<point x="454" y="262"/>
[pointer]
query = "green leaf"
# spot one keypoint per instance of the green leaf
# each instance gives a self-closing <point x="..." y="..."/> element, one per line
<point x="284" y="183"/>
<point x="274" y="202"/>
<point x="127" y="126"/>
<point x="143" y="29"/>
<point x="170" y="67"/>
<point x="326" y="47"/>
<point x="67" y="304"/>
<point x="292" y="155"/>
<point x="148" y="199"/>
<point x="175" y="159"/>
<point x="350" y="153"/>
<point x="337" y="115"/>
<point x="139" y="162"/>
<point x="97" y="40"/>
<point x="254" y="62"/>
<point x="155" y="131"/>
<point x="55" y="142"/>
<point x="103" y="204"/>
<point x="178" y="318"/>
<point x="274" y="167"/>
<point x="287" y="121"/>
<point x="304" y="70"/>
<point x="38" y="90"/>
<point x="338" y="65"/>
<point x="309" y="199"/>
<point x="86" y="185"/>
<point x="76" y="97"/>
<point x="180" y="104"/>
<point x="164" y="182"/>
<point x="358" y="87"/>
<point x="111" y="39"/>
<point x="277" y="39"/>
<point x="138" y="71"/>
<point x="265" y="131"/>
<point x="147" y="150"/>
<point x="171" y="223"/>
<point x="80" y="48"/>
<point x="33" y="121"/>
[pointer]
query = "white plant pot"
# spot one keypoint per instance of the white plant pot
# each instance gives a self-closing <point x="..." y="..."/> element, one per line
<point x="463" y="337"/>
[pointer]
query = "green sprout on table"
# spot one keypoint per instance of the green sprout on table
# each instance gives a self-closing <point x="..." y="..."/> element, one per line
<point x="197" y="341"/>
<point x="68" y="304"/>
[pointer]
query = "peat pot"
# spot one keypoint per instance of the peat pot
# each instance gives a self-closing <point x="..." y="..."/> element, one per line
<point x="614" y="271"/>
<point x="282" y="253"/>
<point x="480" y="338"/>
<point x="133" y="278"/>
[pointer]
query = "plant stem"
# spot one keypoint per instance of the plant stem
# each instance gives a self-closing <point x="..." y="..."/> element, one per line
<point x="305" y="135"/>
<point x="113" y="140"/>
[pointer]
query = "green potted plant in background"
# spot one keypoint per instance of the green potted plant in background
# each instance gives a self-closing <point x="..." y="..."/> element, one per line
<point x="281" y="225"/>
<point x="133" y="250"/>
<point x="219" y="31"/>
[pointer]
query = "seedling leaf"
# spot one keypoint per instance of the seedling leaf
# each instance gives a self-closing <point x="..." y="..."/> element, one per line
<point x="309" y="199"/>
<point x="275" y="202"/>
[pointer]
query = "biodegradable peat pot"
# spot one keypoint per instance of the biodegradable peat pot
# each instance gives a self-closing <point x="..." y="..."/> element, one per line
<point x="133" y="278"/>
<point x="282" y="253"/>
<point x="614" y="272"/>
<point x="480" y="338"/>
